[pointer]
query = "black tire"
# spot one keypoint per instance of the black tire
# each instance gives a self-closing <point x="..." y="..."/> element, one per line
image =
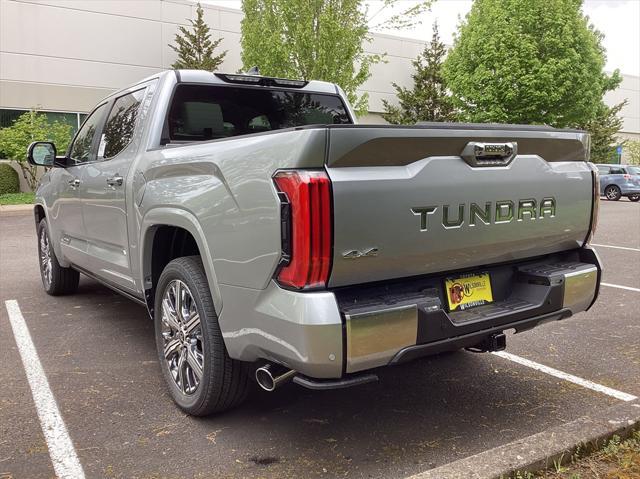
<point x="56" y="280"/>
<point x="612" y="193"/>
<point x="634" y="198"/>
<point x="224" y="382"/>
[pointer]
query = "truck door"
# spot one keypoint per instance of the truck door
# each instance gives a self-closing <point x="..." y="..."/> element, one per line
<point x="103" y="187"/>
<point x="66" y="210"/>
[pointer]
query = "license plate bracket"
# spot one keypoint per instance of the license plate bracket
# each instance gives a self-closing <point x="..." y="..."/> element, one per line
<point x="468" y="291"/>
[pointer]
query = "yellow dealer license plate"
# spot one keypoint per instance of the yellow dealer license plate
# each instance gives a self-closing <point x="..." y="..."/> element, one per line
<point x="469" y="290"/>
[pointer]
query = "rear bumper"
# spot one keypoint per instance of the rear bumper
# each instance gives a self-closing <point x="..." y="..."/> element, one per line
<point x="350" y="330"/>
<point x="412" y="318"/>
<point x="471" y="339"/>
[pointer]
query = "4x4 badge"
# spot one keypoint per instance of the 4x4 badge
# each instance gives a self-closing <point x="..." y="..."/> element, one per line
<point x="354" y="254"/>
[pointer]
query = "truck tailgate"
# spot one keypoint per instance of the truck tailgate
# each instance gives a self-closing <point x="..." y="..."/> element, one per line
<point x="416" y="200"/>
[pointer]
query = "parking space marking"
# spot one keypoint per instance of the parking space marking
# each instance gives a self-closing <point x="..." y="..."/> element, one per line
<point x="567" y="377"/>
<point x="63" y="455"/>
<point x="615" y="247"/>
<point x="629" y="288"/>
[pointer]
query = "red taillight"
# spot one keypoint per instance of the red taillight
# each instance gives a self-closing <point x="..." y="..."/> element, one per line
<point x="626" y="177"/>
<point x="308" y="194"/>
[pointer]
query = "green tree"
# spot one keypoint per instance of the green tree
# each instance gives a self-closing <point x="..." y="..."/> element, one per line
<point x="315" y="40"/>
<point x="527" y="61"/>
<point x="604" y="129"/>
<point x="428" y="100"/>
<point x="28" y="127"/>
<point x="194" y="46"/>
<point x="633" y="152"/>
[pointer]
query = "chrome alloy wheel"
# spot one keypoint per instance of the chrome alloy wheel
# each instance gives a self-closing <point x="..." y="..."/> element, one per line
<point x="611" y="193"/>
<point x="182" y="337"/>
<point x="45" y="257"/>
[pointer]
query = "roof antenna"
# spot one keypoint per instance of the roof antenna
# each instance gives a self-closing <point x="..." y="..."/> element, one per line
<point x="253" y="71"/>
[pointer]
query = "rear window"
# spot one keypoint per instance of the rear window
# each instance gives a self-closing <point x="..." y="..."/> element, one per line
<point x="205" y="112"/>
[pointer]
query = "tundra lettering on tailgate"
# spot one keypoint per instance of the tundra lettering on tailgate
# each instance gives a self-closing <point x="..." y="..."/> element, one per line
<point x="489" y="213"/>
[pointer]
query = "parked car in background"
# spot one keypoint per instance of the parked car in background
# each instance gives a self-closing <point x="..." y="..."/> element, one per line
<point x="617" y="181"/>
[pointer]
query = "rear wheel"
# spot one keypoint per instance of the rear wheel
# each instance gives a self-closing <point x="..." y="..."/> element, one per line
<point x="634" y="197"/>
<point x="612" y="192"/>
<point x="201" y="377"/>
<point x="55" y="279"/>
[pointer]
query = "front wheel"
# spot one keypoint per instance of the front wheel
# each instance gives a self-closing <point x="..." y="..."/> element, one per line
<point x="613" y="193"/>
<point x="201" y="377"/>
<point x="634" y="197"/>
<point x="55" y="279"/>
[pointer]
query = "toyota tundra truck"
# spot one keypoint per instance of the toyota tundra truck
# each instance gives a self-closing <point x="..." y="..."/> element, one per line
<point x="272" y="238"/>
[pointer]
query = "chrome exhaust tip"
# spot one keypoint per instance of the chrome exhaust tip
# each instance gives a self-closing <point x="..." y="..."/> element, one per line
<point x="270" y="376"/>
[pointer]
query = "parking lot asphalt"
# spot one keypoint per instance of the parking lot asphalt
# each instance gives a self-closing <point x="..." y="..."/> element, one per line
<point x="98" y="353"/>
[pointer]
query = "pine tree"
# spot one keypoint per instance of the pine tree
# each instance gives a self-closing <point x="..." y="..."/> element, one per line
<point x="428" y="100"/>
<point x="194" y="46"/>
<point x="604" y="129"/>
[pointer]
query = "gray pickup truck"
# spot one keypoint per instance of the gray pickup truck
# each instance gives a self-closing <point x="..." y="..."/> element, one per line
<point x="271" y="237"/>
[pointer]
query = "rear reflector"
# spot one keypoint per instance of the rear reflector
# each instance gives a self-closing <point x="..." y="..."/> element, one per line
<point x="307" y="247"/>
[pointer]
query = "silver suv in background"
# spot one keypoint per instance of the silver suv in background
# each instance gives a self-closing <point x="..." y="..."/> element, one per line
<point x="617" y="181"/>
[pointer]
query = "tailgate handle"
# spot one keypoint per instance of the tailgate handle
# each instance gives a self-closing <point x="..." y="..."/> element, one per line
<point x="489" y="154"/>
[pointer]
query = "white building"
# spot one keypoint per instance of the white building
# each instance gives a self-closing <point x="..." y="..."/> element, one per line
<point x="63" y="56"/>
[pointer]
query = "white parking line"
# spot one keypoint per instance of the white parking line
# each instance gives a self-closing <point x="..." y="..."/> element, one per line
<point x="615" y="247"/>
<point x="567" y="377"/>
<point x="63" y="455"/>
<point x="629" y="288"/>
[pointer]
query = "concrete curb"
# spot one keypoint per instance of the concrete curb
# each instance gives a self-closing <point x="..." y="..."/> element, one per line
<point x="11" y="210"/>
<point x="540" y="451"/>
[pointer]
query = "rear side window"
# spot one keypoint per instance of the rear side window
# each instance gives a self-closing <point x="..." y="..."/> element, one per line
<point x="83" y="149"/>
<point x="617" y="171"/>
<point x="121" y="124"/>
<point x="207" y="112"/>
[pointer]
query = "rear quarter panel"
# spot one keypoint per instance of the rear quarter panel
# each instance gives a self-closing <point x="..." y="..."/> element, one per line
<point x="226" y="186"/>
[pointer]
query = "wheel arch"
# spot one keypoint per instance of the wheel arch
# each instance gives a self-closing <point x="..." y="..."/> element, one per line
<point x="39" y="213"/>
<point x="166" y="234"/>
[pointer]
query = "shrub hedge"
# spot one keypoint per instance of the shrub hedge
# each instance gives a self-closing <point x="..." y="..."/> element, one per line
<point x="9" y="179"/>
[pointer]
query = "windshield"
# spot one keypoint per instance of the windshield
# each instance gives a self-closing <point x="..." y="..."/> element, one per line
<point x="207" y="112"/>
<point x="634" y="170"/>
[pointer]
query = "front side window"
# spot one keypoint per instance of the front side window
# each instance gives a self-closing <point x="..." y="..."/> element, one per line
<point x="207" y="112"/>
<point x="121" y="124"/>
<point x="81" y="150"/>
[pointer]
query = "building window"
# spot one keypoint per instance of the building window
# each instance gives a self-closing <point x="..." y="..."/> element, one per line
<point x="8" y="116"/>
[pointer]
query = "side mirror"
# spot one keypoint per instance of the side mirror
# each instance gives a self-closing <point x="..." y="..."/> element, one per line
<point x="42" y="153"/>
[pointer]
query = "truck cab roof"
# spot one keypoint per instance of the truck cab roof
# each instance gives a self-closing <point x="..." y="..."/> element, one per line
<point x="222" y="78"/>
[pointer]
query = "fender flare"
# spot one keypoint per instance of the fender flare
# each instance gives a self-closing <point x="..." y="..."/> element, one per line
<point x="181" y="218"/>
<point x="54" y="237"/>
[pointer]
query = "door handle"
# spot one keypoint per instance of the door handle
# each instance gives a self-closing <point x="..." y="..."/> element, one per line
<point x="74" y="183"/>
<point x="115" y="180"/>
